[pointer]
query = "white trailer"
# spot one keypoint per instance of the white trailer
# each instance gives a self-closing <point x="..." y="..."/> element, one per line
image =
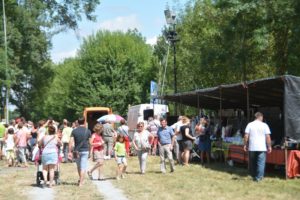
<point x="141" y="112"/>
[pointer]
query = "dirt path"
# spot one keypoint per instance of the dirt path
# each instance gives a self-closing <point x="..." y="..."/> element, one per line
<point x="109" y="191"/>
<point x="38" y="193"/>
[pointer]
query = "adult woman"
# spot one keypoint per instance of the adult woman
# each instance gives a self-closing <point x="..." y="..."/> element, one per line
<point x="187" y="140"/>
<point x="49" y="144"/>
<point x="41" y="130"/>
<point x="97" y="151"/>
<point x="203" y="131"/>
<point x="141" y="145"/>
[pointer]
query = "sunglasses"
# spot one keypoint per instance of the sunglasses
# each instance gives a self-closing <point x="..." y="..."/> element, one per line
<point x="140" y="126"/>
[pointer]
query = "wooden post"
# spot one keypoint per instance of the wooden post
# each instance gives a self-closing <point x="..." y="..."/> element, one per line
<point x="220" y="89"/>
<point x="286" y="158"/>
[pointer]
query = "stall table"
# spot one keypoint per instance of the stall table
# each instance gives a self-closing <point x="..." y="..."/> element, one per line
<point x="276" y="157"/>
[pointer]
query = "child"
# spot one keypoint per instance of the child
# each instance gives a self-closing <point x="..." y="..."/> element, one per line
<point x="97" y="151"/>
<point x="10" y="140"/>
<point x="120" y="156"/>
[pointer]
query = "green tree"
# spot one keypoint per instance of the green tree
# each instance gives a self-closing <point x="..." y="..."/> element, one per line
<point x="30" y="25"/>
<point x="227" y="41"/>
<point x="113" y="69"/>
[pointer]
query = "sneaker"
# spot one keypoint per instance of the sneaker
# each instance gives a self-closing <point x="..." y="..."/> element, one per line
<point x="118" y="178"/>
<point x="122" y="176"/>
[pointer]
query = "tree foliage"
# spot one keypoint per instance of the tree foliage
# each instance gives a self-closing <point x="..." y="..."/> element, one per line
<point x="113" y="69"/>
<point x="30" y="25"/>
<point x="226" y="41"/>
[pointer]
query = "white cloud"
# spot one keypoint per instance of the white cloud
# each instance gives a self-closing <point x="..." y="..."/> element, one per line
<point x="152" y="40"/>
<point x="121" y="23"/>
<point x="60" y="56"/>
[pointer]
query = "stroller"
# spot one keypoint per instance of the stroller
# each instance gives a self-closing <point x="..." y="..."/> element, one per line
<point x="39" y="173"/>
<point x="194" y="155"/>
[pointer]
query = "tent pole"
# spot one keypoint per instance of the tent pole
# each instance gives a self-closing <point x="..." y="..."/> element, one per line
<point x="198" y="103"/>
<point x="248" y="104"/>
<point x="221" y="104"/>
<point x="286" y="158"/>
<point x="180" y="107"/>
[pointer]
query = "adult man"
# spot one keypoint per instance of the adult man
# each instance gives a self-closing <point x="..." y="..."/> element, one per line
<point x="257" y="141"/>
<point x="108" y="137"/>
<point x="66" y="135"/>
<point x="178" y="141"/>
<point x="81" y="136"/>
<point x="166" y="142"/>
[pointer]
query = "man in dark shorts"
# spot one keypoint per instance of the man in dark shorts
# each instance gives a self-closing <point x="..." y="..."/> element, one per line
<point x="81" y="138"/>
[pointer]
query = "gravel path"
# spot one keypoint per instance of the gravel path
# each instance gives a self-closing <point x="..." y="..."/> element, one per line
<point x="38" y="193"/>
<point x="109" y="191"/>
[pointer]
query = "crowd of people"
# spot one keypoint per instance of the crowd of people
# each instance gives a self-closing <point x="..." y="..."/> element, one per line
<point x="68" y="142"/>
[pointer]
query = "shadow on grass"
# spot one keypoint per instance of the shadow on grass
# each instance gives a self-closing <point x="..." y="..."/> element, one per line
<point x="35" y="185"/>
<point x="133" y="172"/>
<point x="68" y="183"/>
<point x="241" y="171"/>
<point x="105" y="179"/>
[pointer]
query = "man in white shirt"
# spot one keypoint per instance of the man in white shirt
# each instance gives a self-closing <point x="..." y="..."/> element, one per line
<point x="178" y="142"/>
<point x="257" y="141"/>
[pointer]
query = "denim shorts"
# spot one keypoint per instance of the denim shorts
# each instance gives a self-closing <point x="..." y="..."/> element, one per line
<point x="121" y="160"/>
<point x="50" y="158"/>
<point x="82" y="161"/>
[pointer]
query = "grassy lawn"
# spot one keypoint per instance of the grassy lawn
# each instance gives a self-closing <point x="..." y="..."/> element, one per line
<point x="68" y="188"/>
<point x="15" y="182"/>
<point x="216" y="181"/>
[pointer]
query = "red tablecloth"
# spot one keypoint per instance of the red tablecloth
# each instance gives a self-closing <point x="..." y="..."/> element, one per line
<point x="237" y="154"/>
<point x="293" y="169"/>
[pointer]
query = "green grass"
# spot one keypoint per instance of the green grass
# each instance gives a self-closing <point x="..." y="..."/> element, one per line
<point x="15" y="182"/>
<point x="68" y="188"/>
<point x="217" y="181"/>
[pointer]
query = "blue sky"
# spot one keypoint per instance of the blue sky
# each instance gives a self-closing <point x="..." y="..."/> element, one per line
<point x="145" y="15"/>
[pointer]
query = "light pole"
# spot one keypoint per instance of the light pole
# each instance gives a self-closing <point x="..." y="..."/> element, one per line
<point x="6" y="69"/>
<point x="171" y="35"/>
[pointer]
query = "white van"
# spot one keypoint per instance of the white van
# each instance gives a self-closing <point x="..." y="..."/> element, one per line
<point x="141" y="113"/>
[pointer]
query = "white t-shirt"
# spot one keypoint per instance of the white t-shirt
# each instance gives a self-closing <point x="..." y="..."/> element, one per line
<point x="176" y="128"/>
<point x="141" y="139"/>
<point x="257" y="131"/>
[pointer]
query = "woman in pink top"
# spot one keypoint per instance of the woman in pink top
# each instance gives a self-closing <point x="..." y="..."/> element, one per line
<point x="22" y="137"/>
<point x="97" y="151"/>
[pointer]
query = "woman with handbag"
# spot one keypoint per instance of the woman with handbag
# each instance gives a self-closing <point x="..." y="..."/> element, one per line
<point x="187" y="140"/>
<point x="49" y="154"/>
<point x="97" y="151"/>
<point x="141" y="145"/>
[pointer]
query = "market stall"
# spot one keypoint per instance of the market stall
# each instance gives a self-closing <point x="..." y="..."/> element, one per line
<point x="278" y="98"/>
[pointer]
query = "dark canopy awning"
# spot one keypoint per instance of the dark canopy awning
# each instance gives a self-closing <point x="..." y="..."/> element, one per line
<point x="263" y="92"/>
<point x="283" y="92"/>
